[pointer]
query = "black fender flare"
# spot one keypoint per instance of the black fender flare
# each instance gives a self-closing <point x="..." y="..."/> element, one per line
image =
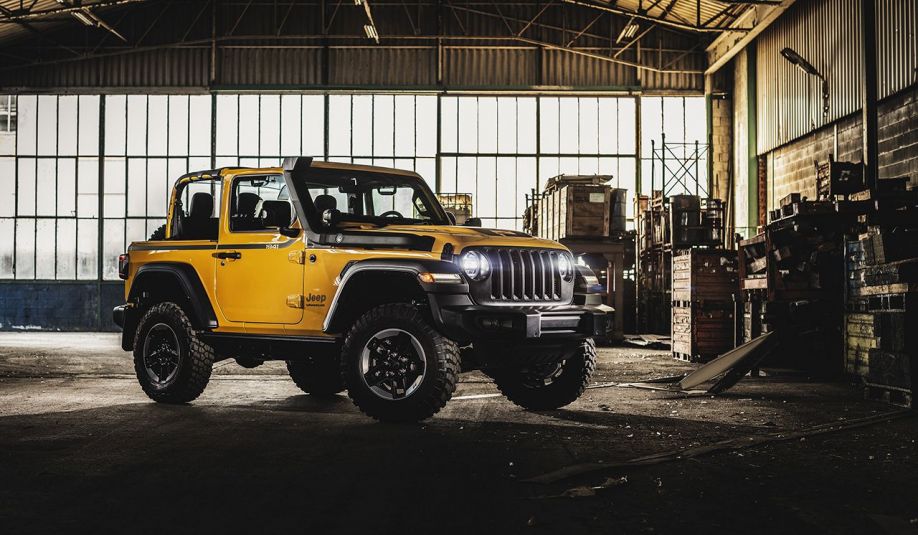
<point x="187" y="280"/>
<point x="412" y="266"/>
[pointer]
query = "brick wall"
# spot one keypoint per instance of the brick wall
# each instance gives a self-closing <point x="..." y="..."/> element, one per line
<point x="62" y="306"/>
<point x="791" y="166"/>
<point x="721" y="146"/>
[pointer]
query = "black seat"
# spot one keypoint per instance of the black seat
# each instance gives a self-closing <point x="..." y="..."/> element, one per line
<point x="245" y="216"/>
<point x="325" y="202"/>
<point x="199" y="225"/>
<point x="276" y="214"/>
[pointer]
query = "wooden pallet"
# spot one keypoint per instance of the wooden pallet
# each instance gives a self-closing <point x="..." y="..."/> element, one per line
<point x="893" y="395"/>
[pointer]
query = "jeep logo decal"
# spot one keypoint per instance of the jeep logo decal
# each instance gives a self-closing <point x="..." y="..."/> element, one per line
<point x="315" y="300"/>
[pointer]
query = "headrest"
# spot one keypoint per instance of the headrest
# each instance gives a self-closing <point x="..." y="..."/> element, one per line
<point x="276" y="213"/>
<point x="246" y="204"/>
<point x="202" y="205"/>
<point x="325" y="202"/>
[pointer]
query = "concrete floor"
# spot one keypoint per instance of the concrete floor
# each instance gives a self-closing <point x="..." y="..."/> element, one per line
<point x="81" y="447"/>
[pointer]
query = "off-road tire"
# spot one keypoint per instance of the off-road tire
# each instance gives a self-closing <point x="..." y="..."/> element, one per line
<point x="441" y="356"/>
<point x="158" y="234"/>
<point x="196" y="362"/>
<point x="317" y="376"/>
<point x="564" y="389"/>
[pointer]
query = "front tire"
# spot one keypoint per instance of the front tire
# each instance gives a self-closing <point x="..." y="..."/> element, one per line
<point x="397" y="367"/>
<point x="171" y="363"/>
<point x="547" y="387"/>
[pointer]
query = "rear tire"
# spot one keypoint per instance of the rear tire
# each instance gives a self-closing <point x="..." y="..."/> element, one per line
<point x="171" y="363"/>
<point x="397" y="367"/>
<point x="547" y="388"/>
<point x="317" y="376"/>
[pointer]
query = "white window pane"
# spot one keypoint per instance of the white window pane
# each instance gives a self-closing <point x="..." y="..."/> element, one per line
<point x="7" y="188"/>
<point x="548" y="168"/>
<point x="447" y="175"/>
<point x="406" y="164"/>
<point x="339" y="125"/>
<point x="487" y="124"/>
<point x="362" y="125"/>
<point x="589" y="126"/>
<point x="248" y="162"/>
<point x="157" y="125"/>
<point x="526" y="125"/>
<point x="66" y="187"/>
<point x="487" y="187"/>
<point x="248" y="125"/>
<point x="269" y="144"/>
<point x="227" y="124"/>
<point x="608" y="125"/>
<point x="525" y="181"/>
<point x="7" y="228"/>
<point x="87" y="248"/>
<point x="221" y="161"/>
<point x="291" y="121"/>
<point x="548" y="125"/>
<point x="25" y="195"/>
<point x="468" y="124"/>
<point x="25" y="248"/>
<point x="178" y="125"/>
<point x="137" y="187"/>
<point x="427" y="168"/>
<point x="449" y="110"/>
<point x="67" y="125"/>
<point x="674" y="119"/>
<point x="651" y="123"/>
<point x="426" y="118"/>
<point x="66" y="249"/>
<point x="114" y="195"/>
<point x="157" y="187"/>
<point x="506" y="124"/>
<point x="135" y="230"/>
<point x="136" y="125"/>
<point x="383" y="125"/>
<point x="404" y="125"/>
<point x="44" y="249"/>
<point x="115" y="125"/>
<point x="26" y="125"/>
<point x="506" y="187"/>
<point x="45" y="189"/>
<point x="269" y="162"/>
<point x="569" y="131"/>
<point x="89" y="125"/>
<point x="47" y="125"/>
<point x="569" y="166"/>
<point x="313" y="126"/>
<point x="112" y="246"/>
<point x="87" y="187"/>
<point x="200" y="119"/>
<point x="627" y="126"/>
<point x="465" y="177"/>
<point x="695" y="120"/>
<point x="588" y="166"/>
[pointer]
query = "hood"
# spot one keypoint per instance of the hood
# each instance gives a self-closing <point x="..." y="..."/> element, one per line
<point x="461" y="237"/>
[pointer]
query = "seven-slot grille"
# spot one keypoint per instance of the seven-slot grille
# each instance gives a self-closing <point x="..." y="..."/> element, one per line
<point x="524" y="274"/>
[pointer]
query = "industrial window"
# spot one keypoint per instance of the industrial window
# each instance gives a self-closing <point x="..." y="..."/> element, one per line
<point x="676" y="129"/>
<point x="83" y="176"/>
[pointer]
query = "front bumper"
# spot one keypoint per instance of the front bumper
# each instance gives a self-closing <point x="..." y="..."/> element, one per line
<point x="460" y="319"/>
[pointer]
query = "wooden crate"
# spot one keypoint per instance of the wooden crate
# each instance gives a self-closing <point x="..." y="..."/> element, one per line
<point x="860" y="337"/>
<point x="705" y="275"/>
<point x="701" y="333"/>
<point x="576" y="211"/>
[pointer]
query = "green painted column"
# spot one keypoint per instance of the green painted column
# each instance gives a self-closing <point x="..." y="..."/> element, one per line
<point x="753" y="181"/>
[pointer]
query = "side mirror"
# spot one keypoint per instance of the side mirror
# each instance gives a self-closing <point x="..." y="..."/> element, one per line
<point x="473" y="222"/>
<point x="451" y="217"/>
<point x="289" y="232"/>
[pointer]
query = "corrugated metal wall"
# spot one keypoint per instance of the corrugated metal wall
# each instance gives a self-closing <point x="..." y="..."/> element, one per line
<point x="827" y="33"/>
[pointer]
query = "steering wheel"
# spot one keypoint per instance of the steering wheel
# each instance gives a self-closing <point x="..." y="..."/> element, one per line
<point x="392" y="213"/>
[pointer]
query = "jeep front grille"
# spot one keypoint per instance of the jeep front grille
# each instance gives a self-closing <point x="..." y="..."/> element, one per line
<point x="524" y="274"/>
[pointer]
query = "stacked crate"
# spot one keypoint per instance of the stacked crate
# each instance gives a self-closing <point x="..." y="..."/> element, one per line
<point x="881" y="321"/>
<point x="704" y="290"/>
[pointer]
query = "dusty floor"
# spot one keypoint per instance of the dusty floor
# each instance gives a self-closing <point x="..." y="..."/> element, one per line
<point x="81" y="448"/>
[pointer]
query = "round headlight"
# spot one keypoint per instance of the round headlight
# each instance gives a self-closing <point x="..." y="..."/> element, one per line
<point x="475" y="265"/>
<point x="565" y="268"/>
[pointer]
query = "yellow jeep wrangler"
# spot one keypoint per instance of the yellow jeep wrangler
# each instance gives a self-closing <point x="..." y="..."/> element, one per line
<point x="359" y="280"/>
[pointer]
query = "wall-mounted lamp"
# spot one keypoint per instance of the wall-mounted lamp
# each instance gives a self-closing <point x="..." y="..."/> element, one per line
<point x="796" y="59"/>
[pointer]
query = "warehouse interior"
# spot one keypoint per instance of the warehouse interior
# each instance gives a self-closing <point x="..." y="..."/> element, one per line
<point x="740" y="175"/>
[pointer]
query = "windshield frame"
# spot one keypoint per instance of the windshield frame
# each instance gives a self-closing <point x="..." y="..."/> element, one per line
<point x="335" y="177"/>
